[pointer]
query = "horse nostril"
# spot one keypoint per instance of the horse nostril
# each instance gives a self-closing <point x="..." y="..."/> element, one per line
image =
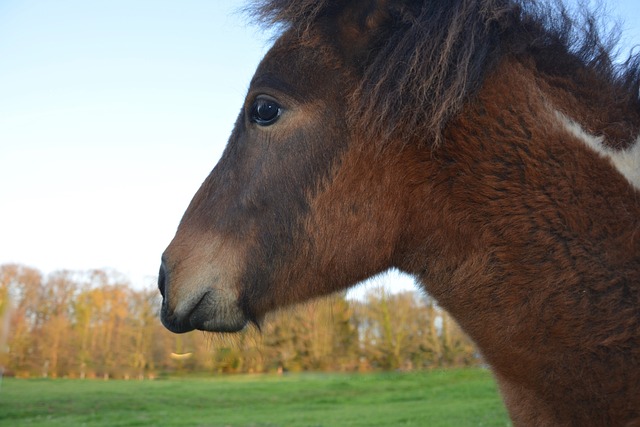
<point x="162" y="279"/>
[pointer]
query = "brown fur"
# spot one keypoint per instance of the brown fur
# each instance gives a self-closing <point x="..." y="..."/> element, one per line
<point x="471" y="184"/>
<point x="424" y="59"/>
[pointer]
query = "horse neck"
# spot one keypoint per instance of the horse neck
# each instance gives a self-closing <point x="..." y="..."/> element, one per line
<point x="530" y="239"/>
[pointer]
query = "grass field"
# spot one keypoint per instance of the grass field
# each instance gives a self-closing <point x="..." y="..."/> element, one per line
<point x="461" y="397"/>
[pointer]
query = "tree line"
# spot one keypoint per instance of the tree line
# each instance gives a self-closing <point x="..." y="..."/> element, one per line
<point x="92" y="324"/>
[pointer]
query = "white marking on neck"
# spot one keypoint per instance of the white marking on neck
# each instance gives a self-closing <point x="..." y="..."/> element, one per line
<point x="627" y="161"/>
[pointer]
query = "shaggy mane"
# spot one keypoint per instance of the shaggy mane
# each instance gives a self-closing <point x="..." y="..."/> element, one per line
<point x="433" y="55"/>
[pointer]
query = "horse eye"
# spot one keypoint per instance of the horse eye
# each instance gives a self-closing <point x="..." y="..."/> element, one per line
<point x="265" y="112"/>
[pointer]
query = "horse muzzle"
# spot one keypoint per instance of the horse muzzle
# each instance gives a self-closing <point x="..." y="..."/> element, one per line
<point x="189" y="305"/>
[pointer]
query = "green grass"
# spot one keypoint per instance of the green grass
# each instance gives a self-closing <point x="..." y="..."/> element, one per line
<point x="461" y="397"/>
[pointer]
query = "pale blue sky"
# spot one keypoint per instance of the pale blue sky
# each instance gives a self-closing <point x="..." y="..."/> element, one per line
<point x="111" y="115"/>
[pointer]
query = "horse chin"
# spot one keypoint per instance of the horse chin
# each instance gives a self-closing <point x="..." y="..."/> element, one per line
<point x="214" y="326"/>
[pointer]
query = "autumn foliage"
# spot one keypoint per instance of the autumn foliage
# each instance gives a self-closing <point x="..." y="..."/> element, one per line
<point x="96" y="324"/>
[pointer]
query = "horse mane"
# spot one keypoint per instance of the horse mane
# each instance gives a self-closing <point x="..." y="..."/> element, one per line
<point x="430" y="57"/>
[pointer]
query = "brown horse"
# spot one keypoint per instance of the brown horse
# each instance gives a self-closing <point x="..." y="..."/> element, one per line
<point x="490" y="148"/>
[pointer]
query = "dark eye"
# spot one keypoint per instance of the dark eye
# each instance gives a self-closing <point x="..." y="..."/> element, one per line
<point x="265" y="112"/>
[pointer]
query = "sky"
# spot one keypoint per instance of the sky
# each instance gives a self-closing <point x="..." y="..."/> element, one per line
<point x="111" y="115"/>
